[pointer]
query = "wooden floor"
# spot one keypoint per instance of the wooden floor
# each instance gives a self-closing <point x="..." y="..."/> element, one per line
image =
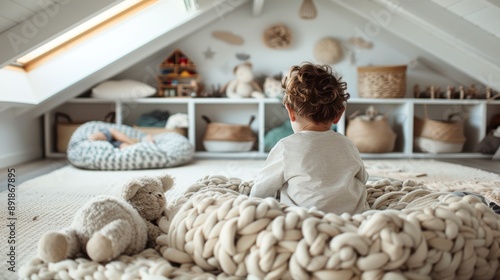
<point x="40" y="167"/>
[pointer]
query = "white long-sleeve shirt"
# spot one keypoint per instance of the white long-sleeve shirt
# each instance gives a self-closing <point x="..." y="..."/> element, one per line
<point x="312" y="168"/>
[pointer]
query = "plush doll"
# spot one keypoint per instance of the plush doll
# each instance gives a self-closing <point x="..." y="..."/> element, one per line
<point x="107" y="227"/>
<point x="179" y="120"/>
<point x="272" y="88"/>
<point x="244" y="84"/>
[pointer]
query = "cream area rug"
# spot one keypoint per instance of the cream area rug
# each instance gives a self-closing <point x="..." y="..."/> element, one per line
<point x="49" y="202"/>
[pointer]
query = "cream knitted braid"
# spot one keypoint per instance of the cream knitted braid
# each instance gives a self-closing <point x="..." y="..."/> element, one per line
<point x="219" y="181"/>
<point x="459" y="238"/>
<point x="147" y="263"/>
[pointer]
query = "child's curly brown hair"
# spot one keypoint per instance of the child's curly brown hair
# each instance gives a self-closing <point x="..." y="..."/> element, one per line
<point x="315" y="92"/>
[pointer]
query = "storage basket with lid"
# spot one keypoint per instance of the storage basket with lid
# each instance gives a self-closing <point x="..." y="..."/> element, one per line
<point x="382" y="81"/>
<point x="371" y="132"/>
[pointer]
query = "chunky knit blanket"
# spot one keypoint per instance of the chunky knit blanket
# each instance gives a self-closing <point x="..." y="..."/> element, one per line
<point x="215" y="231"/>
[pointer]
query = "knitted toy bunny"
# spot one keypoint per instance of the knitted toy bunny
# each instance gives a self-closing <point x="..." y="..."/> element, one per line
<point x="107" y="227"/>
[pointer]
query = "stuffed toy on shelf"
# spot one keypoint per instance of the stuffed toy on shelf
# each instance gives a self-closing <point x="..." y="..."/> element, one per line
<point x="243" y="85"/>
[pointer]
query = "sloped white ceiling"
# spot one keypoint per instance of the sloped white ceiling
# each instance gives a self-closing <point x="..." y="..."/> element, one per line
<point x="15" y="12"/>
<point x="438" y="32"/>
<point x="26" y="24"/>
<point x="482" y="13"/>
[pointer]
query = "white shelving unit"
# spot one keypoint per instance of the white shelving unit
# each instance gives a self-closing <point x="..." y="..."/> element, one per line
<point x="270" y="113"/>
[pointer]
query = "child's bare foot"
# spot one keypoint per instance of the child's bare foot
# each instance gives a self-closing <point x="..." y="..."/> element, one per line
<point x="97" y="136"/>
<point x="124" y="145"/>
<point x="149" y="138"/>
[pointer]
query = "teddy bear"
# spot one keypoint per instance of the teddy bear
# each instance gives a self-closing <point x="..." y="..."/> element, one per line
<point x="244" y="85"/>
<point x="109" y="226"/>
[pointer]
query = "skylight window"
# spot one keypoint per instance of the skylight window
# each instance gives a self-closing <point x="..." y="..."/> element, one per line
<point x="104" y="19"/>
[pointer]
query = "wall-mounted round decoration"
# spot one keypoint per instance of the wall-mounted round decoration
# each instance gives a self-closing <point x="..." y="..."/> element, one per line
<point x="328" y="50"/>
<point x="277" y="36"/>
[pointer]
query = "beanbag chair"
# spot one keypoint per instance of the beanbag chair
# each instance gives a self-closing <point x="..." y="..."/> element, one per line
<point x="168" y="149"/>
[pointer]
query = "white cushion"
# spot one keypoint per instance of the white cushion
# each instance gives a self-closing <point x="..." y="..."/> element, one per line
<point x="497" y="132"/>
<point x="122" y="89"/>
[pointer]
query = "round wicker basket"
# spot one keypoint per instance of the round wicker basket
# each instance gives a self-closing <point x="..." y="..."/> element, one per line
<point x="446" y="131"/>
<point x="382" y="81"/>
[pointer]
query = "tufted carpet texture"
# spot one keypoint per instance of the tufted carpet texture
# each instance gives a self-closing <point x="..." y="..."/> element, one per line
<point x="48" y="203"/>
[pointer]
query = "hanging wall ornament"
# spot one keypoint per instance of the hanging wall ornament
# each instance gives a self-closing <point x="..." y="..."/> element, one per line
<point x="228" y="37"/>
<point x="352" y="57"/>
<point x="307" y="9"/>
<point x="277" y="36"/>
<point x="360" y="42"/>
<point x="328" y="50"/>
<point x="208" y="53"/>
<point x="243" y="56"/>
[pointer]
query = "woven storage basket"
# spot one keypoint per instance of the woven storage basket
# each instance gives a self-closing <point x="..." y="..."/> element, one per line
<point x="65" y="126"/>
<point x="382" y="81"/>
<point x="445" y="131"/>
<point x="371" y="134"/>
<point x="224" y="137"/>
<point x="64" y="130"/>
<point x="438" y="136"/>
<point x="159" y="130"/>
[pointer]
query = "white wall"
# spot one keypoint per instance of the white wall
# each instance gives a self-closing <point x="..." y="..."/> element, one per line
<point x="15" y="86"/>
<point x="330" y="22"/>
<point x="21" y="139"/>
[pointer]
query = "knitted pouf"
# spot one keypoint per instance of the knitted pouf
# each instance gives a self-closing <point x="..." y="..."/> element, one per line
<point x="169" y="149"/>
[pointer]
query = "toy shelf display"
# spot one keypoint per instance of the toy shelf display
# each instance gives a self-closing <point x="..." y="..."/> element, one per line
<point x="178" y="77"/>
<point x="270" y="113"/>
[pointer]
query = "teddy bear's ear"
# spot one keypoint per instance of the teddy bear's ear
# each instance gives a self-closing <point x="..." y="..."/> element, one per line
<point x="130" y="190"/>
<point x="167" y="182"/>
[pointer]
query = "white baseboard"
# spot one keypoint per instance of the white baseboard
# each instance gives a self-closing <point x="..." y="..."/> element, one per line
<point x="17" y="158"/>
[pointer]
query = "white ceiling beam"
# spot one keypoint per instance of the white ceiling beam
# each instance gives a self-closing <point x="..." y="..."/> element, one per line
<point x="450" y="27"/>
<point x="46" y="25"/>
<point x="494" y="2"/>
<point x="258" y="6"/>
<point x="394" y="19"/>
<point x="417" y="53"/>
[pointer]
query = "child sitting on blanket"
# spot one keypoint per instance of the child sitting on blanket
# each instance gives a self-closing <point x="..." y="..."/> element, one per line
<point x="315" y="166"/>
<point x="117" y="138"/>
